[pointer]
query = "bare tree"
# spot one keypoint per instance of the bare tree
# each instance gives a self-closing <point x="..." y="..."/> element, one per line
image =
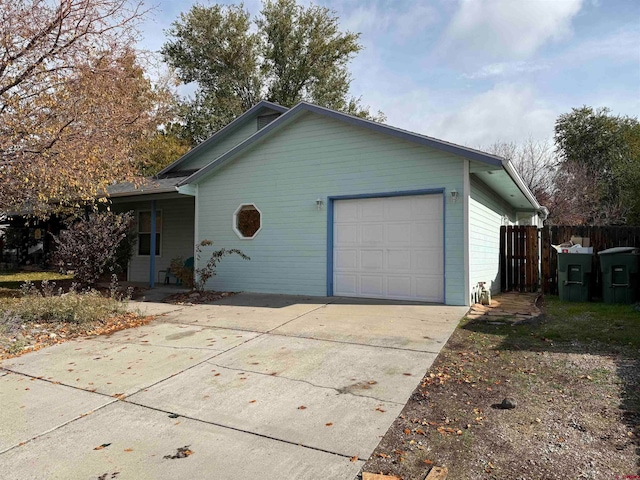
<point x="534" y="161"/>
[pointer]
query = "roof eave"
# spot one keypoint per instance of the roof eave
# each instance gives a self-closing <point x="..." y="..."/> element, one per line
<point x="517" y="179"/>
<point x="137" y="193"/>
<point x="223" y="131"/>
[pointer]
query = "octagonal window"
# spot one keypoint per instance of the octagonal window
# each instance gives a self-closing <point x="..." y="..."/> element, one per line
<point x="247" y="221"/>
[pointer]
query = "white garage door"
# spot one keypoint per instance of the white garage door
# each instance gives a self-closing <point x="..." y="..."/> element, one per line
<point x="389" y="247"/>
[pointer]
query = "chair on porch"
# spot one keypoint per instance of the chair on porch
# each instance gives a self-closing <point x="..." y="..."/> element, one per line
<point x="168" y="274"/>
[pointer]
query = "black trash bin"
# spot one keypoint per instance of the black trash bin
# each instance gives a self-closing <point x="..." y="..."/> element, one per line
<point x="574" y="276"/>
<point x="619" y="267"/>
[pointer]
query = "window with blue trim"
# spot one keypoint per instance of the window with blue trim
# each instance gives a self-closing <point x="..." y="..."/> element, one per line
<point x="144" y="232"/>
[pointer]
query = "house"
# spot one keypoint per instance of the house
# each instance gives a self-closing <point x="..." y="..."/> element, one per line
<point x="325" y="203"/>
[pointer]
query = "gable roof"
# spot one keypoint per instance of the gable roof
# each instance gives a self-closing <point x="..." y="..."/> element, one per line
<point x="223" y="132"/>
<point x="465" y="152"/>
<point x="288" y="115"/>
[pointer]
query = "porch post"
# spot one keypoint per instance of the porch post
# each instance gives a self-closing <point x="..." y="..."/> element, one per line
<point x="152" y="253"/>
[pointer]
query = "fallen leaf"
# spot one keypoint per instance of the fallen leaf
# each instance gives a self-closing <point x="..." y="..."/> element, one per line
<point x="428" y="462"/>
<point x="407" y="431"/>
<point x="100" y="447"/>
<point x="378" y="409"/>
<point x="354" y="458"/>
<point x="252" y="401"/>
<point x="182" y="452"/>
<point x="128" y="449"/>
<point x="302" y="407"/>
<point x="330" y="424"/>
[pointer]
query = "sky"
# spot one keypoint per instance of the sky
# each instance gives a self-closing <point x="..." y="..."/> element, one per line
<point x="476" y="72"/>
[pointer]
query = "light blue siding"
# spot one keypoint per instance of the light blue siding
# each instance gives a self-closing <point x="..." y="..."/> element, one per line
<point x="237" y="136"/>
<point x="176" y="237"/>
<point x="486" y="210"/>
<point x="316" y="157"/>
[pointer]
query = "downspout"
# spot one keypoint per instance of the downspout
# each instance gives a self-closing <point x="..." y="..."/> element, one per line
<point x="152" y="253"/>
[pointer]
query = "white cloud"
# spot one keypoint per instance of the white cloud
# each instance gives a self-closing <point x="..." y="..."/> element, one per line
<point x="507" y="112"/>
<point x="498" y="29"/>
<point x="622" y="45"/>
<point x="365" y="19"/>
<point x="414" y="20"/>
<point x="506" y="69"/>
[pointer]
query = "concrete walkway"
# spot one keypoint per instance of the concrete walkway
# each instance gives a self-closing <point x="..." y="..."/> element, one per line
<point x="256" y="386"/>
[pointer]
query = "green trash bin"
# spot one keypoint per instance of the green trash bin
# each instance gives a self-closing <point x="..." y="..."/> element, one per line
<point x="574" y="276"/>
<point x="619" y="267"/>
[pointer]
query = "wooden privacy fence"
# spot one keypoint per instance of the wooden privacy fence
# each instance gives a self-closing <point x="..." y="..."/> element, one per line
<point x="519" y="258"/>
<point x="600" y="238"/>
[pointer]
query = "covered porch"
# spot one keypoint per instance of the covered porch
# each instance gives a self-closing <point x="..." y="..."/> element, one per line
<point x="164" y="227"/>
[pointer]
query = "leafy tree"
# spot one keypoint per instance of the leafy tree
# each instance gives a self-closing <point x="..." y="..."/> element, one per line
<point x="74" y="101"/>
<point x="95" y="245"/>
<point x="287" y="54"/>
<point x="603" y="149"/>
<point x="159" y="150"/>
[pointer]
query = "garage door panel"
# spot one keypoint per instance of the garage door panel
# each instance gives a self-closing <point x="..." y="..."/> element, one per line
<point x="346" y="258"/>
<point x="396" y="209"/>
<point x="372" y="285"/>
<point x="424" y="233"/>
<point x="428" y="208"/>
<point x="345" y="212"/>
<point x="372" y="234"/>
<point x="399" y="287"/>
<point x="373" y="209"/>
<point x="398" y="233"/>
<point x="399" y="260"/>
<point x="346" y="283"/>
<point x="346" y="234"/>
<point x="430" y="288"/>
<point x="427" y="260"/>
<point x="390" y="247"/>
<point x="372" y="260"/>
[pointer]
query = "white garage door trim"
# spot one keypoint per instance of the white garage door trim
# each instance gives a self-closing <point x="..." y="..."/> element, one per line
<point x="407" y="285"/>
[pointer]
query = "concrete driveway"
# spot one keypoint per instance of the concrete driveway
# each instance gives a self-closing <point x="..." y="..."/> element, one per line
<point x="257" y="386"/>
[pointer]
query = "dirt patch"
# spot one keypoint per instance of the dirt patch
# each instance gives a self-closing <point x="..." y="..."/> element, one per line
<point x="576" y="415"/>
<point x="196" y="298"/>
<point x="29" y="337"/>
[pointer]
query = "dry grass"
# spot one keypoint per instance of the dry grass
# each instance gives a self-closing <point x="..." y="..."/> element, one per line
<point x="575" y="376"/>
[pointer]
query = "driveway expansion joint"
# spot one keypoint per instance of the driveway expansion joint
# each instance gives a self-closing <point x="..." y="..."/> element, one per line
<point x="300" y="316"/>
<point x="388" y="347"/>
<point x="261" y="435"/>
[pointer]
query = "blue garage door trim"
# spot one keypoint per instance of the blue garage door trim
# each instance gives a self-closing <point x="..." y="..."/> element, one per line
<point x="429" y="191"/>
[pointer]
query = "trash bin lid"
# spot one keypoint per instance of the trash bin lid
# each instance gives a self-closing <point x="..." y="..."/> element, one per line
<point x="617" y="250"/>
